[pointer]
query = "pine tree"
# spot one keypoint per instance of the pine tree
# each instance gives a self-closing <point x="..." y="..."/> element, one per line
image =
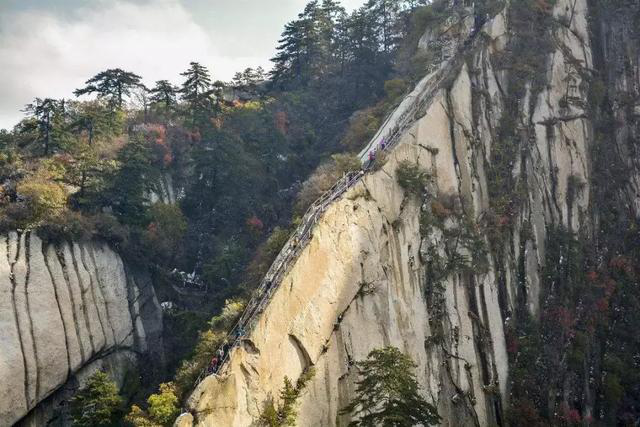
<point x="94" y="118"/>
<point x="366" y="68"/>
<point x="163" y="93"/>
<point x="249" y="79"/>
<point x="290" y="62"/>
<point x="384" y="15"/>
<point x="388" y="394"/>
<point x="43" y="112"/>
<point x="97" y="404"/>
<point x="113" y="84"/>
<point x="304" y="46"/>
<point x="196" y="92"/>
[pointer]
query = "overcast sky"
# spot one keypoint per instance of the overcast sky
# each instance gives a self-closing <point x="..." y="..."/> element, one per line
<point x="50" y="47"/>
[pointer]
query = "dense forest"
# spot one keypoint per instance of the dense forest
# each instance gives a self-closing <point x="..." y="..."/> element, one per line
<point x="201" y="183"/>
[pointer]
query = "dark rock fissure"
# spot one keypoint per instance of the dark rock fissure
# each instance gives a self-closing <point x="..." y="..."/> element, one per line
<point x="303" y="354"/>
<point x="27" y="255"/>
<point x="100" y="289"/>
<point x="96" y="303"/>
<point x="84" y="299"/>
<point x="65" y="327"/>
<point x="12" y="277"/>
<point x="74" y="305"/>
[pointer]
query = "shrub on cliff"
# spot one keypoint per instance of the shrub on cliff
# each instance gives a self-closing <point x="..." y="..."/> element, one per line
<point x="165" y="231"/>
<point x="97" y="404"/>
<point x="324" y="177"/>
<point x="411" y="178"/>
<point x="162" y="409"/>
<point x="45" y="199"/>
<point x="285" y="414"/>
<point x="388" y="393"/>
<point x="188" y="372"/>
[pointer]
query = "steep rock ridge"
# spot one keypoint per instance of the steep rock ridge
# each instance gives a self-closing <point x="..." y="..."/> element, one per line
<point x="67" y="310"/>
<point x="372" y="274"/>
<point x="164" y="191"/>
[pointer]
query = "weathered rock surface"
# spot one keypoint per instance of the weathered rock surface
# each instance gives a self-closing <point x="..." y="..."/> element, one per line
<point x="65" y="311"/>
<point x="363" y="281"/>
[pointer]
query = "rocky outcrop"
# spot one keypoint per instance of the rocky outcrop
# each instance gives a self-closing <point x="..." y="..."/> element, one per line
<point x="67" y="309"/>
<point x="163" y="191"/>
<point x="436" y="275"/>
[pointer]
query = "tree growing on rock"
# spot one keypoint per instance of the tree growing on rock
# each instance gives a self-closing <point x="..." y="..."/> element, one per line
<point x="388" y="394"/>
<point x="285" y="414"/>
<point x="98" y="404"/>
<point x="163" y="408"/>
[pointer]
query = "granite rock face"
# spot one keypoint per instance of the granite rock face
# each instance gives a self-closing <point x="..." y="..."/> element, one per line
<point x="366" y="278"/>
<point x="67" y="310"/>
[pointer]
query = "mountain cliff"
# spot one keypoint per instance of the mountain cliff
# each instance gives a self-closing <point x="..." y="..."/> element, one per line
<point x="527" y="128"/>
<point x="68" y="309"/>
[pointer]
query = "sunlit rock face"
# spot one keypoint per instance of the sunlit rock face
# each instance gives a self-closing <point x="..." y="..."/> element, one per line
<point x="366" y="279"/>
<point x="66" y="311"/>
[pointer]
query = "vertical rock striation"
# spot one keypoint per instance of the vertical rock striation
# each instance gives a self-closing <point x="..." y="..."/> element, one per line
<point x="65" y="310"/>
<point x="442" y="276"/>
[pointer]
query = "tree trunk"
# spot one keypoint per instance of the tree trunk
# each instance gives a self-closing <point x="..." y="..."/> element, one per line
<point x="90" y="133"/>
<point x="47" y="134"/>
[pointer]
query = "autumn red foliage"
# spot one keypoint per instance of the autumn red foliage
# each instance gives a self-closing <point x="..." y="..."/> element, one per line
<point x="255" y="223"/>
<point x="621" y="263"/>
<point x="570" y="415"/>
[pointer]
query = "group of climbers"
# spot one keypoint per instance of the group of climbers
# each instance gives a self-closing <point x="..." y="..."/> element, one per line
<point x="238" y="333"/>
<point x="223" y="352"/>
<point x="382" y="145"/>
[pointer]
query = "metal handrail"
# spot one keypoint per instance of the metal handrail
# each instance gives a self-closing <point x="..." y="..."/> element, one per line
<point x="291" y="249"/>
<point x="303" y="233"/>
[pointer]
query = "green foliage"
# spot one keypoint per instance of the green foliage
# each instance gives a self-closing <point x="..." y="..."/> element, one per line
<point x="527" y="53"/>
<point x="230" y="313"/>
<point x="207" y="343"/>
<point x="69" y="225"/>
<point x="97" y="404"/>
<point x="165" y="231"/>
<point x="525" y="59"/>
<point x="43" y="198"/>
<point x="411" y="178"/>
<point x="362" y="127"/>
<point x="186" y="375"/>
<point x="163" y="94"/>
<point x="113" y="85"/>
<point x="197" y="92"/>
<point x="411" y="61"/>
<point x="233" y="164"/>
<point x="45" y="113"/>
<point x="388" y="393"/>
<point x="266" y="254"/>
<point x="285" y="413"/>
<point x="128" y="189"/>
<point x="137" y="417"/>
<point x="164" y="407"/>
<point x="94" y="120"/>
<point x="324" y="177"/>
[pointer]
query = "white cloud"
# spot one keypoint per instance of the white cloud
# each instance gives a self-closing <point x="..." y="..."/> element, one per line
<point x="49" y="51"/>
<point x="44" y="55"/>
